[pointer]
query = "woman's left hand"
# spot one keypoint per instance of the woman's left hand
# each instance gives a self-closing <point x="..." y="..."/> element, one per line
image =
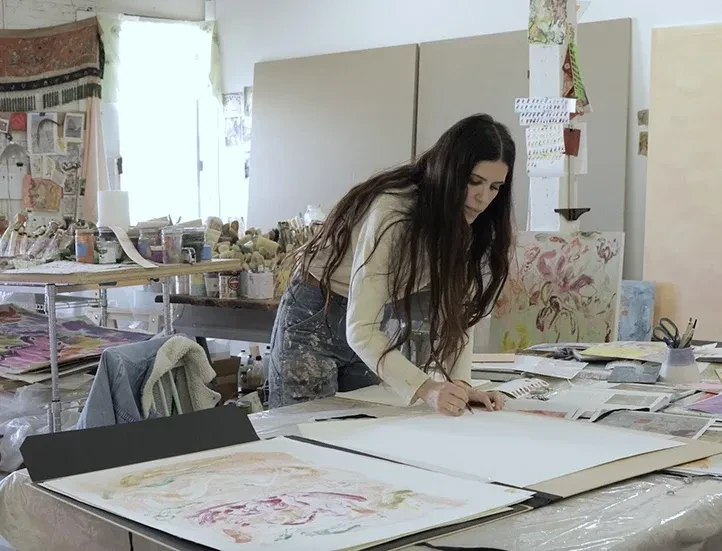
<point x="493" y="401"/>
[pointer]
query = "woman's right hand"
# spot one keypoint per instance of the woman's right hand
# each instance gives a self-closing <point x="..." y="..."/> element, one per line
<point x="444" y="398"/>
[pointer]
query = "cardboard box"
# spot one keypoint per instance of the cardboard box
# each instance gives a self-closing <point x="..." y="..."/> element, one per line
<point x="226" y="381"/>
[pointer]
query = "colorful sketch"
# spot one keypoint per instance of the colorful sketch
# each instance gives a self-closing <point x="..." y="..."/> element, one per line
<point x="547" y="21"/>
<point x="636" y="311"/>
<point x="281" y="493"/>
<point x="561" y="288"/>
<point x="643" y="351"/>
<point x="25" y="344"/>
<point x="41" y="194"/>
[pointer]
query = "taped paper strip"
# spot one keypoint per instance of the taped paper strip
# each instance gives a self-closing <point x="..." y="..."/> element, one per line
<point x="544" y="110"/>
<point x="129" y="249"/>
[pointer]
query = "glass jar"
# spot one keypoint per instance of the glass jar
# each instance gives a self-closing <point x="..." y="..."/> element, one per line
<point x="85" y="246"/>
<point x="147" y="239"/>
<point x="172" y="245"/>
<point x="195" y="238"/>
<point x="109" y="249"/>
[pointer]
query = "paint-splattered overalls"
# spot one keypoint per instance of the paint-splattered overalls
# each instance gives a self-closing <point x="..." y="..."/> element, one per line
<point x="310" y="357"/>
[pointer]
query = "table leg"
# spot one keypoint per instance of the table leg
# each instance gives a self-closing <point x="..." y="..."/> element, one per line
<point x="54" y="420"/>
<point x="167" y="310"/>
<point x="103" y="296"/>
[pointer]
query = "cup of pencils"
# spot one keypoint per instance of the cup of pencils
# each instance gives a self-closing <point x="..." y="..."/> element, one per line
<point x="679" y="365"/>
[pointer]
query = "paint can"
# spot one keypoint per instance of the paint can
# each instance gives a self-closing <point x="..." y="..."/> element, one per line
<point x="212" y="285"/>
<point x="85" y="246"/>
<point x="228" y="285"/>
<point x="109" y="249"/>
<point x="172" y="245"/>
<point x="183" y="285"/>
<point x="198" y="285"/>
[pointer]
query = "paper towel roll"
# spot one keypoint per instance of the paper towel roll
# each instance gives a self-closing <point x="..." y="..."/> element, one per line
<point x="113" y="209"/>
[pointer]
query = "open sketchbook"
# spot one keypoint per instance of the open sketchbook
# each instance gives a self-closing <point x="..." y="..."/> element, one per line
<point x="284" y="495"/>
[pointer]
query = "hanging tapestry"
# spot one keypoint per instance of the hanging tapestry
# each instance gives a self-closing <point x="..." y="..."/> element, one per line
<point x="43" y="68"/>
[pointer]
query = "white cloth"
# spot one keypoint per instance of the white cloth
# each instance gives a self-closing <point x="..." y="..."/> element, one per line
<point x="362" y="278"/>
<point x="198" y="373"/>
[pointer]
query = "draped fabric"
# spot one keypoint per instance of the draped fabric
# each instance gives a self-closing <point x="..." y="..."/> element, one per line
<point x="41" y="69"/>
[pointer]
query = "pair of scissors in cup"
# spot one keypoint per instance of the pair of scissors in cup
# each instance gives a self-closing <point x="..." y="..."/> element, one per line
<point x="668" y="332"/>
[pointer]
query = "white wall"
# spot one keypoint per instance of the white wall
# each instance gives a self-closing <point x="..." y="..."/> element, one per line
<point x="262" y="30"/>
<point x="24" y="14"/>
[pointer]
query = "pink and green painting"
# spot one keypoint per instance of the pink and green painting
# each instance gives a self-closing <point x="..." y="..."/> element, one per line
<point x="283" y="495"/>
<point x="562" y="287"/>
<point x="25" y="341"/>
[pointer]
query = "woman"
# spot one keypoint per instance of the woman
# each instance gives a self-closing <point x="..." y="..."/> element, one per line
<point x="441" y="224"/>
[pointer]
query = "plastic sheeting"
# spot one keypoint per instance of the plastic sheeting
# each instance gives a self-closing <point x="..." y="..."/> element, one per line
<point x="657" y="512"/>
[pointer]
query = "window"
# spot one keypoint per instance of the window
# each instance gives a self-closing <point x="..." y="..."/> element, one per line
<point x="167" y="115"/>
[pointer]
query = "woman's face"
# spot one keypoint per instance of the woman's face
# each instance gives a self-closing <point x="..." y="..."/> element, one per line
<point x="484" y="184"/>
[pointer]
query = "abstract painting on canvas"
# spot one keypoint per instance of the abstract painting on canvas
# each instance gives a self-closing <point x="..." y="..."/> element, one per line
<point x="636" y="311"/>
<point x="284" y="495"/>
<point x="562" y="287"/>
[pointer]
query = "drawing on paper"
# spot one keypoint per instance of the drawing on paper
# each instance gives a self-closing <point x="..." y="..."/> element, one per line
<point x="547" y="21"/>
<point x="561" y="288"/>
<point x="43" y="133"/>
<point x="636" y="311"/>
<point x="74" y="127"/>
<point x="41" y="194"/>
<point x="281" y="494"/>
<point x="25" y="344"/>
<point x="573" y="83"/>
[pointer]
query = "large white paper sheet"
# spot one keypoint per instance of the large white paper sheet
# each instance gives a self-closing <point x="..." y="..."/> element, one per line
<point x="506" y="447"/>
<point x="284" y="495"/>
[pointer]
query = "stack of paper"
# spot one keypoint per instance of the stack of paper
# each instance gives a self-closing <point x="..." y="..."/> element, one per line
<point x="535" y="365"/>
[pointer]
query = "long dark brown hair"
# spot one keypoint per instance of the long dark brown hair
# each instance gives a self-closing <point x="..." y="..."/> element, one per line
<point x="467" y="264"/>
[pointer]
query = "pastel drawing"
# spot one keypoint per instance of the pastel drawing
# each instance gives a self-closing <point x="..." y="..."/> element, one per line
<point x="265" y="497"/>
<point x="561" y="288"/>
<point x="636" y="311"/>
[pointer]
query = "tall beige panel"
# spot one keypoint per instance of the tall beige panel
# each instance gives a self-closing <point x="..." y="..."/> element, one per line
<point x="487" y="73"/>
<point x="683" y="222"/>
<point x="322" y="124"/>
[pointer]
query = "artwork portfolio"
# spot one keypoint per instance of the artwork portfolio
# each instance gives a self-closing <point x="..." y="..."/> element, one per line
<point x="636" y="311"/>
<point x="284" y="494"/>
<point x="25" y="343"/>
<point x="561" y="288"/>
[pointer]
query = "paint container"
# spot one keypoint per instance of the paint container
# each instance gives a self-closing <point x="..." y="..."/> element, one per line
<point x="228" y="285"/>
<point x="172" y="244"/>
<point x="198" y="285"/>
<point x="260" y="286"/>
<point x="147" y="238"/>
<point x="207" y="253"/>
<point x="679" y="366"/>
<point x="195" y="238"/>
<point x="85" y="246"/>
<point x="109" y="249"/>
<point x="183" y="285"/>
<point x="212" y="285"/>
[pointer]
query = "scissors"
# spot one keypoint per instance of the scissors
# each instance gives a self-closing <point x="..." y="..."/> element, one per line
<point x="668" y="332"/>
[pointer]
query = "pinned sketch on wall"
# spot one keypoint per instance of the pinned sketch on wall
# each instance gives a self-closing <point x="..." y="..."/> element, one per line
<point x="643" y="117"/>
<point x="562" y="287"/>
<point x="547" y="21"/>
<point x="233" y="105"/>
<point x="18" y="122"/>
<point x="636" y="311"/>
<point x="42" y="131"/>
<point x="4" y="126"/>
<point x="74" y="127"/>
<point x="643" y="149"/>
<point x="49" y="166"/>
<point x="36" y="166"/>
<point x="234" y="131"/>
<point x="545" y="150"/>
<point x="573" y="84"/>
<point x="285" y="495"/>
<point x="41" y="194"/>
<point x="534" y="111"/>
